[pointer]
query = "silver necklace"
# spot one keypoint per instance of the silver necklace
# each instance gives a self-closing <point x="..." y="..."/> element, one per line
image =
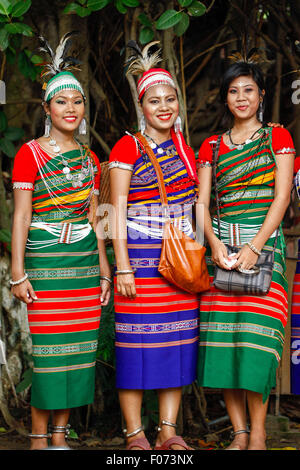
<point x="154" y="145"/>
<point x="75" y="178"/>
<point x="232" y="145"/>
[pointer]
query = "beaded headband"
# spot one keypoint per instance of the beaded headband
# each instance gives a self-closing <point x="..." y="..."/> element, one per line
<point x="59" y="67"/>
<point x="62" y="81"/>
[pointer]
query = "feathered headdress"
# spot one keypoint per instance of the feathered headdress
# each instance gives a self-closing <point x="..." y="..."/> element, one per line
<point x="254" y="56"/>
<point x="143" y="62"/>
<point x="144" y="59"/>
<point x="59" y="61"/>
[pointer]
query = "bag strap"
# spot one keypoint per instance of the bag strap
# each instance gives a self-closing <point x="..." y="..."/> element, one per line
<point x="158" y="170"/>
<point x="214" y="174"/>
<point x="214" y="168"/>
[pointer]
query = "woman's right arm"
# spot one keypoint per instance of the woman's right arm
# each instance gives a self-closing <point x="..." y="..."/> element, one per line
<point x="218" y="248"/>
<point x="21" y="223"/>
<point x="119" y="187"/>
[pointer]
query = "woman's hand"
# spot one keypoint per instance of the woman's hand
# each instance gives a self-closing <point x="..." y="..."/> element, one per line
<point x="246" y="258"/>
<point x="105" y="291"/>
<point x="275" y="124"/>
<point x="219" y="254"/>
<point x="126" y="285"/>
<point x="24" y="292"/>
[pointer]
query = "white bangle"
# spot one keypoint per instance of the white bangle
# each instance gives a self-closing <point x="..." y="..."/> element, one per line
<point x="125" y="271"/>
<point x="105" y="278"/>
<point x="19" y="281"/>
<point x="253" y="248"/>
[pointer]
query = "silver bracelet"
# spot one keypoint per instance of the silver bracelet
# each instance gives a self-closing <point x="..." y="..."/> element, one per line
<point x="19" y="281"/>
<point x="253" y="248"/>
<point x="125" y="271"/>
<point x="105" y="278"/>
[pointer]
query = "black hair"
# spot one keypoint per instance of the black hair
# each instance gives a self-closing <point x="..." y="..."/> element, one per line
<point x="240" y="69"/>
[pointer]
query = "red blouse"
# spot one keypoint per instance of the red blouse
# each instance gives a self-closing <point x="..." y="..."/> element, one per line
<point x="126" y="151"/>
<point x="25" y="168"/>
<point x="282" y="143"/>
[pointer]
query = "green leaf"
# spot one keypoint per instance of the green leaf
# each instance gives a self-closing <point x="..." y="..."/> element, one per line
<point x="73" y="434"/>
<point x="7" y="147"/>
<point x="82" y="2"/>
<point x="95" y="5"/>
<point x="19" y="28"/>
<point x="27" y="379"/>
<point x="3" y="121"/>
<point x="143" y="18"/>
<point x="79" y="10"/>
<point x="35" y="59"/>
<point x="10" y="55"/>
<point x="131" y="3"/>
<point x="185" y="3"/>
<point x="3" y="430"/>
<point x="5" y="7"/>
<point x="4" y="39"/>
<point x="83" y="12"/>
<point x="5" y="235"/>
<point x="26" y="66"/>
<point x="120" y="7"/>
<point x="13" y="133"/>
<point x="70" y="8"/>
<point x="20" y="8"/>
<point x="196" y="8"/>
<point x="181" y="27"/>
<point x="146" y="35"/>
<point x="168" y="19"/>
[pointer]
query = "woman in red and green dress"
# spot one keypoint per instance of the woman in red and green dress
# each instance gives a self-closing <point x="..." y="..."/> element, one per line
<point x="55" y="260"/>
<point x="241" y="336"/>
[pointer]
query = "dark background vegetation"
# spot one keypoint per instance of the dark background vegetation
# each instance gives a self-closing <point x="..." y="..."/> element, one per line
<point x="196" y="39"/>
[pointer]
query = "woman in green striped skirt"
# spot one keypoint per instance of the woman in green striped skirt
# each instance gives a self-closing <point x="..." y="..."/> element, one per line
<point x="241" y="335"/>
<point x="55" y="181"/>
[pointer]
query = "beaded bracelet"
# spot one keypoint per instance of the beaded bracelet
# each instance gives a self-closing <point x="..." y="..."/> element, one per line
<point x="19" y="281"/>
<point x="253" y="248"/>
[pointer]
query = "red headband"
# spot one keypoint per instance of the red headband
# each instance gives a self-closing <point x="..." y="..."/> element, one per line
<point x="154" y="77"/>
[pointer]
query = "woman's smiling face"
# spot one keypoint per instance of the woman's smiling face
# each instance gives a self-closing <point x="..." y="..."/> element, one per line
<point x="160" y="107"/>
<point x="66" y="110"/>
<point x="244" y="97"/>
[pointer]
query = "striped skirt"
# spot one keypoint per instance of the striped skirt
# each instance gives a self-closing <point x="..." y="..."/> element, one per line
<point x="157" y="332"/>
<point x="295" y="331"/>
<point x="242" y="336"/>
<point x="64" y="321"/>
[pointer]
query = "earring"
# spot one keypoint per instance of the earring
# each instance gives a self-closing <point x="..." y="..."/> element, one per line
<point x="177" y="124"/>
<point x="142" y="124"/>
<point x="47" y="126"/>
<point x="260" y="112"/>
<point x="82" y="127"/>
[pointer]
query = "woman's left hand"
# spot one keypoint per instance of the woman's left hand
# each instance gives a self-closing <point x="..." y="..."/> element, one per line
<point x="105" y="292"/>
<point x="275" y="124"/>
<point x="246" y="258"/>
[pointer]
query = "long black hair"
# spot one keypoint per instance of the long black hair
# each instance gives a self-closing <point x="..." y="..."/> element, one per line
<point x="236" y="70"/>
